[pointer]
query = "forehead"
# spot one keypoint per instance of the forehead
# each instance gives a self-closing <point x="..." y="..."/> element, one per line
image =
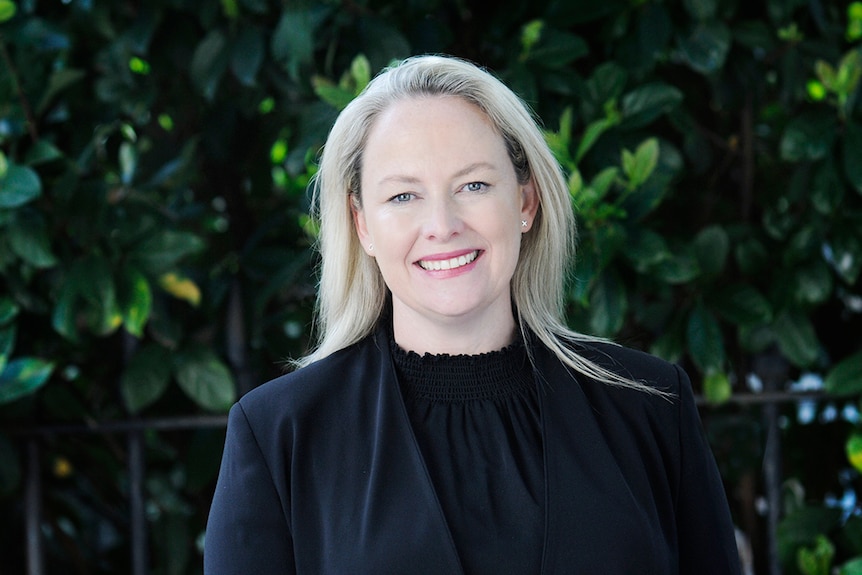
<point x="431" y="127"/>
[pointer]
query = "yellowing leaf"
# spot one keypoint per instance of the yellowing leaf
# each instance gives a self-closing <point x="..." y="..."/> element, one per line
<point x="854" y="450"/>
<point x="181" y="288"/>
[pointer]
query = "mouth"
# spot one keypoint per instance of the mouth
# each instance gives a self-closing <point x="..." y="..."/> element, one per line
<point x="450" y="264"/>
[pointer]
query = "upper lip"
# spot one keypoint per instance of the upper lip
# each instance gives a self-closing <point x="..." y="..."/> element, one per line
<point x="446" y="256"/>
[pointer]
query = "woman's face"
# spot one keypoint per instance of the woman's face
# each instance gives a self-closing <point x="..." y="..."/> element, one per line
<point x="443" y="209"/>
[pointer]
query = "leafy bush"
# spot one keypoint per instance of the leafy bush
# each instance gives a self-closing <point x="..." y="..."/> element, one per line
<point x="154" y="236"/>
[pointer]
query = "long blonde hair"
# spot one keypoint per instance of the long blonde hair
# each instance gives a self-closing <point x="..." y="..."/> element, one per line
<point x="352" y="293"/>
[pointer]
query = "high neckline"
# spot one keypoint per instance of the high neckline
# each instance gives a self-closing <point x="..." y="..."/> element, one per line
<point x="494" y="375"/>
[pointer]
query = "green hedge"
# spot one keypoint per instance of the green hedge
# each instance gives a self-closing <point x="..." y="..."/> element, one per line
<point x="154" y="236"/>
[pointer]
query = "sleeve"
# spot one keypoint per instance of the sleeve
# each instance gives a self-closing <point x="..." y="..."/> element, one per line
<point x="707" y="544"/>
<point x="247" y="531"/>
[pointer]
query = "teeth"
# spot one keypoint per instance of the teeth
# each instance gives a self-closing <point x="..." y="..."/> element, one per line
<point x="449" y="264"/>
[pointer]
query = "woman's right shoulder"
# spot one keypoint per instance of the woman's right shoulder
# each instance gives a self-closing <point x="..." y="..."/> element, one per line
<point x="318" y="385"/>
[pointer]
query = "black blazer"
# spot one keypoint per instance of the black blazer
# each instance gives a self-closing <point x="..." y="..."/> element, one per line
<point x="321" y="474"/>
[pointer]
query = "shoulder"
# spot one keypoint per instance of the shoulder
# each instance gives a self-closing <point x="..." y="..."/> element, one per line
<point x="315" y="388"/>
<point x="636" y="365"/>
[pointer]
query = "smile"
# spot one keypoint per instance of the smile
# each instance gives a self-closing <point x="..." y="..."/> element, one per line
<point x="450" y="264"/>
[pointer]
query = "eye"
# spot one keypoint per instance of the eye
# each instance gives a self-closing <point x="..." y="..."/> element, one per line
<point x="475" y="187"/>
<point x="401" y="198"/>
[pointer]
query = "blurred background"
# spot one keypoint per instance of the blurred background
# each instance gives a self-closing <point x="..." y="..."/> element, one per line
<point x="155" y="242"/>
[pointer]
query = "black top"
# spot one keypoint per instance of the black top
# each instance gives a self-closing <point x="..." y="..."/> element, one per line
<point x="477" y="421"/>
<point x="322" y="474"/>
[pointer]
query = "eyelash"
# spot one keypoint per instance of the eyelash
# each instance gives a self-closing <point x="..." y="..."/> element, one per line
<point x="401" y="198"/>
<point x="483" y="187"/>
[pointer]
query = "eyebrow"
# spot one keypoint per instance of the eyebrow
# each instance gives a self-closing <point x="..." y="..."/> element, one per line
<point x="468" y="169"/>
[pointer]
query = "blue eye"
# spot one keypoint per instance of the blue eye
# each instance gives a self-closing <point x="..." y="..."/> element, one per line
<point x="475" y="186"/>
<point x="402" y="198"/>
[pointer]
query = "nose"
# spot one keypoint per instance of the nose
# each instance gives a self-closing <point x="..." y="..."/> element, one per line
<point x="442" y="219"/>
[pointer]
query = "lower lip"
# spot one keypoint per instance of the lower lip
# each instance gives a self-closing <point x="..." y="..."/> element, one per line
<point x="452" y="272"/>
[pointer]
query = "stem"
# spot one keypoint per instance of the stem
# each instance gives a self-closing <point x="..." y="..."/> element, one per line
<point x="25" y="104"/>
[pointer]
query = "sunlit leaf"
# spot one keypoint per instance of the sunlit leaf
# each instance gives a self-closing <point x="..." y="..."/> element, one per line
<point x="7" y="10"/>
<point x="22" y="377"/>
<point x="854" y="450"/>
<point x="816" y="560"/>
<point x="181" y="287"/>
<point x="146" y="377"/>
<point x="716" y="387"/>
<point x="136" y="300"/>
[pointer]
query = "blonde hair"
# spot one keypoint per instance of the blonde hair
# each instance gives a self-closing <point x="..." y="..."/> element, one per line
<point x="352" y="294"/>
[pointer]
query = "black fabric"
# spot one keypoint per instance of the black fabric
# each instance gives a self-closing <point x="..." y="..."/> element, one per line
<point x="322" y="474"/>
<point x="476" y="419"/>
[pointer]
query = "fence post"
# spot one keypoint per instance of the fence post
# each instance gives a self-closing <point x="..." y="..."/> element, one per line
<point x="33" y="510"/>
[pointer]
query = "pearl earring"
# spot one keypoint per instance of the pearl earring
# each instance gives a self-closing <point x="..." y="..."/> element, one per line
<point x="370" y="247"/>
<point x="523" y="223"/>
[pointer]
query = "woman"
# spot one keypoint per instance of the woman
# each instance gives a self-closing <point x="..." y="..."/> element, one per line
<point x="448" y="421"/>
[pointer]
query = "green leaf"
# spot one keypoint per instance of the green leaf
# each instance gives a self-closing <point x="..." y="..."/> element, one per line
<point x="146" y="377"/>
<point x="608" y="305"/>
<point x="7" y="10"/>
<point x="818" y="559"/>
<point x="711" y="247"/>
<point x="247" y="55"/>
<point x="209" y="63"/>
<point x="751" y="256"/>
<point x="701" y="9"/>
<point x="136" y="301"/>
<point x="59" y="81"/>
<point x="20" y="186"/>
<point x="742" y="304"/>
<point x="42" y="152"/>
<point x="801" y="527"/>
<point x="360" y="71"/>
<point x="592" y="134"/>
<point x="852" y="567"/>
<point x="640" y="165"/>
<point x="128" y="160"/>
<point x="8" y="310"/>
<point x="813" y="283"/>
<point x="206" y="380"/>
<point x="706" y="46"/>
<point x="851" y="147"/>
<point x="647" y="102"/>
<point x="645" y="248"/>
<point x="716" y="387"/>
<point x="22" y="377"/>
<point x="292" y="42"/>
<point x="845" y="378"/>
<point x="796" y="338"/>
<point x="29" y="240"/>
<point x="329" y="92"/>
<point x="827" y="188"/>
<point x="854" y="450"/>
<point x="164" y="249"/>
<point x="808" y="137"/>
<point x="846" y="257"/>
<point x="704" y="339"/>
<point x="7" y="344"/>
<point x="677" y="269"/>
<point x="557" y="48"/>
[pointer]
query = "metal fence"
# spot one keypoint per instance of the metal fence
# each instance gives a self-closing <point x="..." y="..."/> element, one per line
<point x="134" y="430"/>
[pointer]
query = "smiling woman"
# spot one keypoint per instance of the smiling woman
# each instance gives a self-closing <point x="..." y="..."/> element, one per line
<point x="448" y="421"/>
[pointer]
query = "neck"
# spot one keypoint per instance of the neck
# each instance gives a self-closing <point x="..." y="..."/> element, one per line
<point x="453" y="336"/>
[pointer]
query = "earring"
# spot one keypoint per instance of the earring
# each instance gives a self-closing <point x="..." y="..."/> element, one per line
<point x="523" y="223"/>
<point x="370" y="247"/>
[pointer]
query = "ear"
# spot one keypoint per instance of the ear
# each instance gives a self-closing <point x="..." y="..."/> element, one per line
<point x="361" y="228"/>
<point x="529" y="204"/>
